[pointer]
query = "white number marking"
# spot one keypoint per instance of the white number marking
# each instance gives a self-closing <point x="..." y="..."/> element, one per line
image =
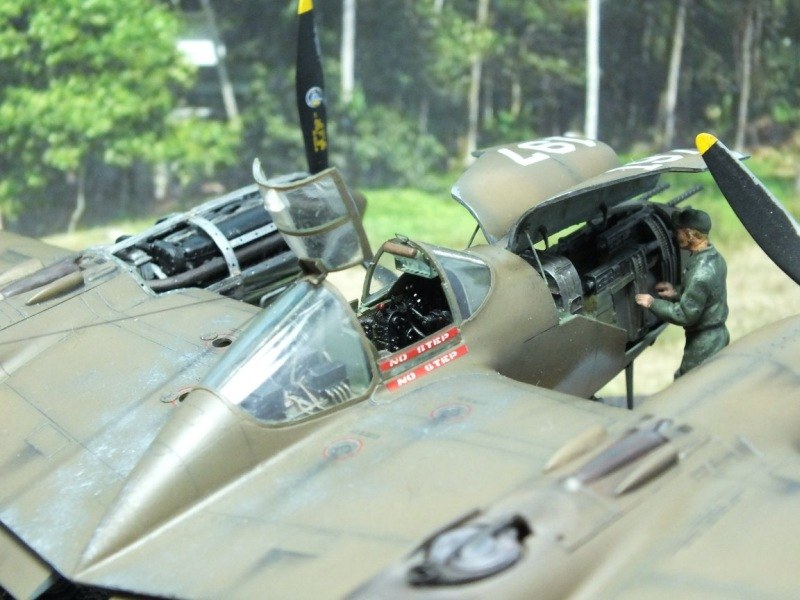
<point x="542" y="149"/>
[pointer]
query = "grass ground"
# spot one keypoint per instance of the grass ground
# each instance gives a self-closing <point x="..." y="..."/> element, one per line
<point x="758" y="292"/>
<point x="416" y="214"/>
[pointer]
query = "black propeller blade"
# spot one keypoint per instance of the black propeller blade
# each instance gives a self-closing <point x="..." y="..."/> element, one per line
<point x="310" y="86"/>
<point x="771" y="226"/>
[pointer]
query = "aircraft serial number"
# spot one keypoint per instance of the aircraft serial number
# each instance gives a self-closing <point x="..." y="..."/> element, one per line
<point x="539" y="150"/>
<point x="653" y="163"/>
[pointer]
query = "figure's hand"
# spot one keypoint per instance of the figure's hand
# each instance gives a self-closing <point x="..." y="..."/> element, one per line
<point x="666" y="290"/>
<point x="645" y="300"/>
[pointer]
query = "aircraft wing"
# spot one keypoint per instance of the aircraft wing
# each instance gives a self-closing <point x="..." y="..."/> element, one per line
<point x="336" y="507"/>
<point x="365" y="492"/>
<point x="697" y="501"/>
<point x="737" y="535"/>
<point x="85" y="385"/>
<point x="24" y="255"/>
<point x="724" y="524"/>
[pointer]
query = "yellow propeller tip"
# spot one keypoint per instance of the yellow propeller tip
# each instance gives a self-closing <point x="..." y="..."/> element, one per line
<point x="303" y="6"/>
<point x="704" y="141"/>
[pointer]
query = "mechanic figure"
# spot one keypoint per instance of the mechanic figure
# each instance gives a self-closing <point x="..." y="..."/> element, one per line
<point x="699" y="303"/>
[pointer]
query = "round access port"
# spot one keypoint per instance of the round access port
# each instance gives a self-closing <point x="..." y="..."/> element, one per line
<point x="222" y="341"/>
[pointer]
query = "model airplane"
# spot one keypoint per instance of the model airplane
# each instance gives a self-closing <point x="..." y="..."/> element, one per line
<point x="177" y="442"/>
<point x="695" y="499"/>
<point x="316" y="459"/>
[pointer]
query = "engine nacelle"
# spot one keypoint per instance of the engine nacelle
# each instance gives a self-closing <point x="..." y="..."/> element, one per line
<point x="228" y="245"/>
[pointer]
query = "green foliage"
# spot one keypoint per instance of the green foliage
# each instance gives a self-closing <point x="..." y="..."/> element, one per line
<point x="196" y="149"/>
<point x="271" y="126"/>
<point x="420" y="215"/>
<point x="778" y="91"/>
<point x="92" y="83"/>
<point x="92" y="80"/>
<point x="380" y="145"/>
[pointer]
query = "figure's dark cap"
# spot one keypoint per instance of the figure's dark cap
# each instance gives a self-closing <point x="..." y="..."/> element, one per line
<point x="690" y="218"/>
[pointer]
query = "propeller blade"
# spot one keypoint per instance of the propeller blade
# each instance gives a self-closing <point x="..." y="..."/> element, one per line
<point x="310" y="86"/>
<point x="764" y="217"/>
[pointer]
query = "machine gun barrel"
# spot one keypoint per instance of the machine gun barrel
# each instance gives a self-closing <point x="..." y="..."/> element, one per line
<point x="615" y="237"/>
<point x="654" y="192"/>
<point x="685" y="195"/>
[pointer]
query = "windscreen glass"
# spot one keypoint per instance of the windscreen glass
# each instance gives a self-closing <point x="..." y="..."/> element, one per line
<point x="469" y="277"/>
<point x="384" y="274"/>
<point x="318" y="219"/>
<point x="302" y="356"/>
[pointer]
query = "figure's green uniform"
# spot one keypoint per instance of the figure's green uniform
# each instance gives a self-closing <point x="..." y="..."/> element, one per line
<point x="701" y="307"/>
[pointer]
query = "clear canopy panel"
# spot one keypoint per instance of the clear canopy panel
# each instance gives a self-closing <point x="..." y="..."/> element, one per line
<point x="302" y="356"/>
<point x="318" y="218"/>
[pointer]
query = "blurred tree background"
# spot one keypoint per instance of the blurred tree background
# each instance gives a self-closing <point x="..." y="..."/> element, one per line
<point x="103" y="115"/>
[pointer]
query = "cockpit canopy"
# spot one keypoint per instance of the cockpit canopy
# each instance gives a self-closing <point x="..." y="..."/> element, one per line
<point x="318" y="218"/>
<point x="303" y="355"/>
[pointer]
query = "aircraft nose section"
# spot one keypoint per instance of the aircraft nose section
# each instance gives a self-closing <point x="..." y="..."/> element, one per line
<point x="200" y="449"/>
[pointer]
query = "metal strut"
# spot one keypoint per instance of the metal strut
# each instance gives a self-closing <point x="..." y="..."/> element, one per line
<point x="222" y="243"/>
<point x="629" y="385"/>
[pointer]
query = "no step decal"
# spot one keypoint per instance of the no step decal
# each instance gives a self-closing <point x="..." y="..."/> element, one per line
<point x="426" y="345"/>
<point x="427" y="367"/>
